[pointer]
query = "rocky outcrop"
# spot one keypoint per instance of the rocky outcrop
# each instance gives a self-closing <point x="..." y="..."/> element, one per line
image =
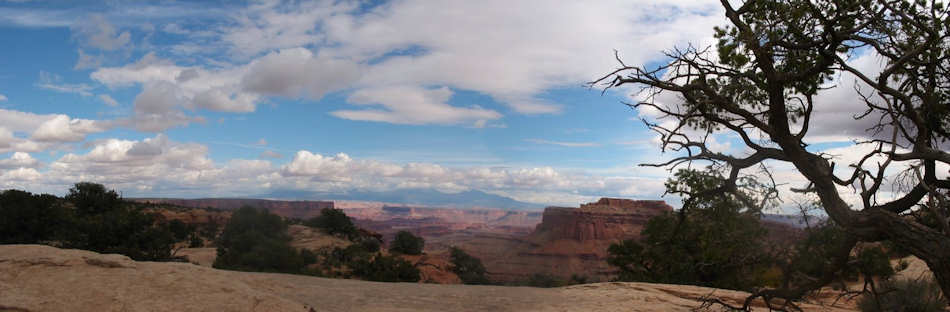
<point x="43" y="278"/>
<point x="606" y="219"/>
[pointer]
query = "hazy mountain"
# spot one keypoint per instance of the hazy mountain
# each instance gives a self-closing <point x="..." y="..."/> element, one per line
<point x="426" y="197"/>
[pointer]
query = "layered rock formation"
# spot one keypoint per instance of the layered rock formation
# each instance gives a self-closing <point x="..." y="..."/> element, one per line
<point x="606" y="219"/>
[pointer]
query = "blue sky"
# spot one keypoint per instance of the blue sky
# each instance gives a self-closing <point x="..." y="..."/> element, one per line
<point x="200" y="99"/>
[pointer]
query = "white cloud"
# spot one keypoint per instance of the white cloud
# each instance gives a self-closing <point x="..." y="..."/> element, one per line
<point x="28" y="132"/>
<point x="514" y="54"/>
<point x="414" y="106"/>
<point x="297" y="72"/>
<point x="61" y="128"/>
<point x="19" y="160"/>
<point x="2" y="98"/>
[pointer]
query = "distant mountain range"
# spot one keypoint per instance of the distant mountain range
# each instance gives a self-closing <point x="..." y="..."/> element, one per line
<point x="422" y="197"/>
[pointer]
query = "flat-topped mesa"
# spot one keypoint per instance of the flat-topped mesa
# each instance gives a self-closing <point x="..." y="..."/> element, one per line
<point x="606" y="219"/>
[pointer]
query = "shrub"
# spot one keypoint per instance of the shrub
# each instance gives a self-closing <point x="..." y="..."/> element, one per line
<point x="105" y="223"/>
<point x="544" y="280"/>
<point x="334" y="222"/>
<point x="918" y="295"/>
<point x="385" y="269"/>
<point x="26" y="218"/>
<point x="256" y="240"/>
<point x="469" y="269"/>
<point x="406" y="243"/>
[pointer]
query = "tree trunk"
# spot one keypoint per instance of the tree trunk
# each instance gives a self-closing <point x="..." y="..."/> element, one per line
<point x="928" y="244"/>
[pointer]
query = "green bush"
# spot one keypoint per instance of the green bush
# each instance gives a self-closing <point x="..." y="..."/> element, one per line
<point x="917" y="295"/>
<point x="334" y="222"/>
<point x="104" y="223"/>
<point x="385" y="269"/>
<point x="256" y="240"/>
<point x="406" y="243"/>
<point x="468" y="268"/>
<point x="26" y="218"/>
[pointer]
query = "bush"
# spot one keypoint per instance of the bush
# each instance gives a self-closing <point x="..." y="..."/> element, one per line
<point x="334" y="222"/>
<point x="406" y="243"/>
<point x="105" y="223"/>
<point x="469" y="269"/>
<point x="256" y="240"/>
<point x="919" y="295"/>
<point x="386" y="269"/>
<point x="544" y="281"/>
<point x="26" y="218"/>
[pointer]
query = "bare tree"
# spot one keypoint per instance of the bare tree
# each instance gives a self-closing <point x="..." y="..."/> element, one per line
<point x="761" y="83"/>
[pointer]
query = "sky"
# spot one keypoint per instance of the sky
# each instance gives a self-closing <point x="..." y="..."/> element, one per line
<point x="229" y="98"/>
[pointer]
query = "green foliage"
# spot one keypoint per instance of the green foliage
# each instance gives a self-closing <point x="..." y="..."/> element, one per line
<point x="714" y="241"/>
<point x="468" y="268"/>
<point x="256" y="240"/>
<point x="406" y="243"/>
<point x="334" y="222"/>
<point x="385" y="269"/>
<point x="26" y="218"/>
<point x="92" y="198"/>
<point x="917" y="295"/>
<point x="104" y="223"/>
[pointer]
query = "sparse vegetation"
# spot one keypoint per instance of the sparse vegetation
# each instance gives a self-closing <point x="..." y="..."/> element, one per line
<point x="468" y="268"/>
<point x="917" y="295"/>
<point x="407" y="243"/>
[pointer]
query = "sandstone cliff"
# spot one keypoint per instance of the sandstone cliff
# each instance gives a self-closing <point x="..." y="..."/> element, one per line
<point x="606" y="219"/>
<point x="43" y="278"/>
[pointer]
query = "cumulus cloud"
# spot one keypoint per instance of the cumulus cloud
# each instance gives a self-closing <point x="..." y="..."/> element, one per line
<point x="2" y="98"/>
<point x="61" y="128"/>
<point x="28" y="132"/>
<point x="414" y="106"/>
<point x="19" y="160"/>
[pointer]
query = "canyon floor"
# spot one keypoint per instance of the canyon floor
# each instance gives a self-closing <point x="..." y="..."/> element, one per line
<point x="43" y="278"/>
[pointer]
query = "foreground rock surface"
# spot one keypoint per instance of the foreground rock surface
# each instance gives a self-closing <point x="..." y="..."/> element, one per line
<point x="43" y="278"/>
